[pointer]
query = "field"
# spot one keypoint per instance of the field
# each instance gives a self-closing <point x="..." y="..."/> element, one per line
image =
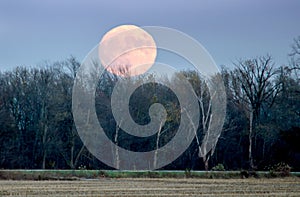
<point x="153" y="187"/>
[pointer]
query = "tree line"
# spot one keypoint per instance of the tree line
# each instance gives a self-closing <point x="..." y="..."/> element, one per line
<point x="262" y="125"/>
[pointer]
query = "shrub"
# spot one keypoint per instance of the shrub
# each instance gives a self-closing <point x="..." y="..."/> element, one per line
<point x="219" y="167"/>
<point x="282" y="169"/>
<point x="248" y="174"/>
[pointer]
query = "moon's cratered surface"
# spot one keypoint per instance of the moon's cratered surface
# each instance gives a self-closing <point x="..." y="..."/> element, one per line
<point x="127" y="50"/>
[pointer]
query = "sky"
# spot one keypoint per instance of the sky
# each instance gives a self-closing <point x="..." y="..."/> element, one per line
<point x="35" y="31"/>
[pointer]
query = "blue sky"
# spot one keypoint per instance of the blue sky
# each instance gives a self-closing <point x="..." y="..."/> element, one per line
<point x="33" y="31"/>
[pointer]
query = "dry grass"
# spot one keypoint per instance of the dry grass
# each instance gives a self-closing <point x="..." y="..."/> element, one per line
<point x="153" y="187"/>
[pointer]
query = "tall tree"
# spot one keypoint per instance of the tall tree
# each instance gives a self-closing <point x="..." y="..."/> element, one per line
<point x="70" y="146"/>
<point x="252" y="84"/>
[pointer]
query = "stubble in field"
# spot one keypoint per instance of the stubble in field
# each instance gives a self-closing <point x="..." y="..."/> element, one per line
<point x="153" y="187"/>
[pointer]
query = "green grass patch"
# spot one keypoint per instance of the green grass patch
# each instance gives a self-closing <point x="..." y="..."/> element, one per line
<point x="97" y="174"/>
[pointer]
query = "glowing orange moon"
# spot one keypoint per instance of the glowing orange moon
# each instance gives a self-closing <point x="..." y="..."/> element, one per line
<point x="127" y="50"/>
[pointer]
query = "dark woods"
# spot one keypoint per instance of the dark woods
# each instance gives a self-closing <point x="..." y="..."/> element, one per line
<point x="262" y="126"/>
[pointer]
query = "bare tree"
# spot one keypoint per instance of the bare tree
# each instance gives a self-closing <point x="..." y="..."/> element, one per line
<point x="71" y="149"/>
<point x="296" y="47"/>
<point x="209" y="120"/>
<point x="252" y="85"/>
<point x="295" y="57"/>
<point x="206" y="118"/>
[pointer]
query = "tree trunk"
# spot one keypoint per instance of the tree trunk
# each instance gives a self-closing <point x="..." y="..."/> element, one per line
<point x="250" y="139"/>
<point x="44" y="160"/>
<point x="44" y="146"/>
<point x="206" y="130"/>
<point x="117" y="156"/>
<point x="206" y="160"/>
<point x="72" y="154"/>
<point x="157" y="144"/>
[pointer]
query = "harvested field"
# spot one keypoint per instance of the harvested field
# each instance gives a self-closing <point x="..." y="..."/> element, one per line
<point x="153" y="187"/>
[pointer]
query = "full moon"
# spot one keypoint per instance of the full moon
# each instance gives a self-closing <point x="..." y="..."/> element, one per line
<point x="127" y="50"/>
